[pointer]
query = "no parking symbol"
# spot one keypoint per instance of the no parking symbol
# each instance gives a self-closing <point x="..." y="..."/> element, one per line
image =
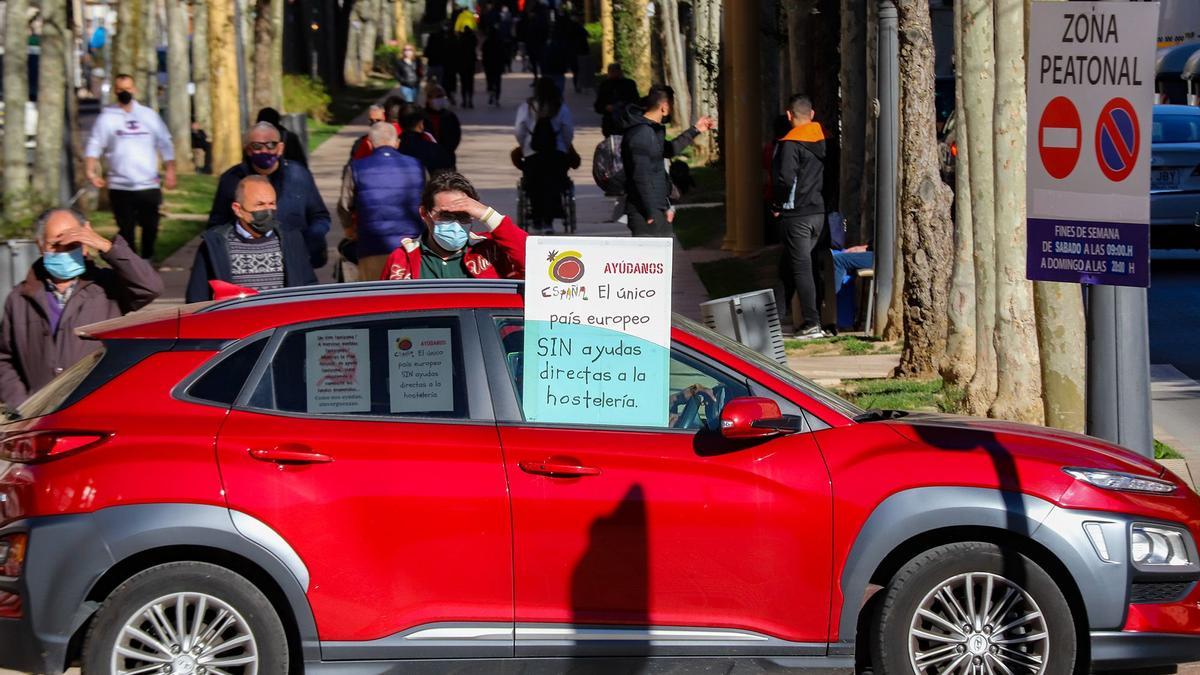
<point x="1118" y="139"/>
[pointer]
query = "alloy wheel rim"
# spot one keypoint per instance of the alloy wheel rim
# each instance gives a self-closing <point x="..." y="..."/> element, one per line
<point x="185" y="634"/>
<point x="978" y="623"/>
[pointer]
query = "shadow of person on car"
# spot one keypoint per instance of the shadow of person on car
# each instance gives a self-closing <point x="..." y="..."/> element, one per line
<point x="611" y="588"/>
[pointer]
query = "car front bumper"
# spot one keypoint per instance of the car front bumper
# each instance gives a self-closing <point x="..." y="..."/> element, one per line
<point x="21" y="650"/>
<point x="1123" y="650"/>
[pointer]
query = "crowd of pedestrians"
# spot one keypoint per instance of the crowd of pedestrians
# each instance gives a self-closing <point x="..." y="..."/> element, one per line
<point x="405" y="211"/>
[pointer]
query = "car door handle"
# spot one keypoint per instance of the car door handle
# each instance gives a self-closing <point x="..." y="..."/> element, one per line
<point x="556" y="469"/>
<point x="290" y="453"/>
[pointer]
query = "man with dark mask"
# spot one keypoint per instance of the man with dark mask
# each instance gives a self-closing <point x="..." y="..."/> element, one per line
<point x="302" y="211"/>
<point x="644" y="146"/>
<point x="131" y="138"/>
<point x="254" y="251"/>
<point x="64" y="290"/>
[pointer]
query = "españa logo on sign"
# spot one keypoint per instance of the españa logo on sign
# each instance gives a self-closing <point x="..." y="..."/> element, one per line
<point x="565" y="267"/>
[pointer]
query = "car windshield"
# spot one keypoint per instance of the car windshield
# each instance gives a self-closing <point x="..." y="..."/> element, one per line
<point x="787" y="375"/>
<point x="1176" y="129"/>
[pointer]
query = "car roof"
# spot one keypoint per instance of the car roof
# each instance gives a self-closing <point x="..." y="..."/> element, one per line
<point x="244" y="316"/>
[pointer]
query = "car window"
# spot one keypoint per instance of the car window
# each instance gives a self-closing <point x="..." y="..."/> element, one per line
<point x="696" y="394"/>
<point x="408" y="367"/>
<point x="1169" y="129"/>
<point x="223" y="382"/>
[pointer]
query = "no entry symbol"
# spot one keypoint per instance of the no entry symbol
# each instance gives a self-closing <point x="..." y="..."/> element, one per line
<point x="1060" y="137"/>
<point x="1117" y="139"/>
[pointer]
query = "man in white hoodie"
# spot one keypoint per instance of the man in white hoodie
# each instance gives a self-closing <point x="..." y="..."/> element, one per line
<point x="131" y="138"/>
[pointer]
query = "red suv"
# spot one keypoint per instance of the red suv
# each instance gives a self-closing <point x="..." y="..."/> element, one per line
<point x="173" y="504"/>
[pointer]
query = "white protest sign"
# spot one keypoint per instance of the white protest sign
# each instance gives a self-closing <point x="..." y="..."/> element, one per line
<point x="420" y="370"/>
<point x="597" y="330"/>
<point x="337" y="371"/>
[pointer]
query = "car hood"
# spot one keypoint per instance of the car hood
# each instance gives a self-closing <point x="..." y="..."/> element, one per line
<point x="1023" y="440"/>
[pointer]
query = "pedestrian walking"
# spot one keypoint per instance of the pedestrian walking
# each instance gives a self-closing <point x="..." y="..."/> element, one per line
<point x="442" y="123"/>
<point x="545" y="131"/>
<point x="495" y="60"/>
<point x="301" y="208"/>
<point x="798" y="173"/>
<point x="379" y="201"/>
<point x="438" y="54"/>
<point x="293" y="147"/>
<point x="644" y="147"/>
<point x="466" y="58"/>
<point x="132" y="138"/>
<point x="416" y="142"/>
<point x="62" y="291"/>
<point x="409" y="72"/>
<point x="361" y="147"/>
<point x="253" y="250"/>
<point x="463" y="239"/>
<point x="613" y="94"/>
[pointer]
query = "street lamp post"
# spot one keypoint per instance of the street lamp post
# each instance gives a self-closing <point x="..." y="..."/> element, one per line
<point x="888" y="66"/>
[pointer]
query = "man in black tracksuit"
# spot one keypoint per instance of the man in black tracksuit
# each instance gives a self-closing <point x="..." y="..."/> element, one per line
<point x="797" y="174"/>
<point x="644" y="146"/>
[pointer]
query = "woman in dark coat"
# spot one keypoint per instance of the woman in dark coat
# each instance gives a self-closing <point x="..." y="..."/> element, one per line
<point x="495" y="59"/>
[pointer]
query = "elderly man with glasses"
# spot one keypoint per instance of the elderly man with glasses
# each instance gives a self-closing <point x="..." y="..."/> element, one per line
<point x="301" y="208"/>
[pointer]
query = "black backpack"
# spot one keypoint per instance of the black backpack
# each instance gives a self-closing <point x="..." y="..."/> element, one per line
<point x="607" y="168"/>
<point x="544" y="139"/>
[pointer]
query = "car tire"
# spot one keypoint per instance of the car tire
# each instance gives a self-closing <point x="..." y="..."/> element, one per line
<point x="926" y="626"/>
<point x="238" y="625"/>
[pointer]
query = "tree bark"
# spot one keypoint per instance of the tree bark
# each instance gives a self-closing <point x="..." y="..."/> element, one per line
<point x="266" y="43"/>
<point x="355" y="67"/>
<point x="1019" y="379"/>
<point x="959" y="364"/>
<point x="276" y="65"/>
<point x="927" y="242"/>
<point x="147" y="63"/>
<point x="639" y="42"/>
<point x="201" y="98"/>
<point x="854" y="110"/>
<point x="128" y="40"/>
<point x="223" y="78"/>
<point x="249" y="52"/>
<point x="179" y="105"/>
<point x="386" y="21"/>
<point x="1062" y="342"/>
<point x="608" y="33"/>
<point x="979" y="94"/>
<point x="366" y="54"/>
<point x="16" y="93"/>
<point x="52" y="88"/>
<point x="401" y="20"/>
<point x="798" y="12"/>
<point x="674" y="64"/>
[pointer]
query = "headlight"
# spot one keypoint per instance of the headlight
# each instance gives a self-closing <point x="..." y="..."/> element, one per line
<point x="1158" y="547"/>
<point x="1119" y="480"/>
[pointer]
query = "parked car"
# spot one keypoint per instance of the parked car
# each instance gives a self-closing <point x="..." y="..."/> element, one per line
<point x="217" y="490"/>
<point x="1175" y="177"/>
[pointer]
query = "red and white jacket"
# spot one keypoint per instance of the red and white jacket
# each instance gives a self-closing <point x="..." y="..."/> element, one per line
<point x="500" y="254"/>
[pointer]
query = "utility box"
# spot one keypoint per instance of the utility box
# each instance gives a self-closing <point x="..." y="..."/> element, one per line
<point x="16" y="257"/>
<point x="750" y="318"/>
<point x="296" y="123"/>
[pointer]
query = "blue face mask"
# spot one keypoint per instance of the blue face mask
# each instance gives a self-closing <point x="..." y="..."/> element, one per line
<point x="450" y="235"/>
<point x="64" y="266"/>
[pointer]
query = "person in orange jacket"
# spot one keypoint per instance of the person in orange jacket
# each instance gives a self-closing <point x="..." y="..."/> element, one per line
<point x="798" y="174"/>
<point x="464" y="239"/>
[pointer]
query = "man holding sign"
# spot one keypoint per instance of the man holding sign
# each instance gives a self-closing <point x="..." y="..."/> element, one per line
<point x="453" y="248"/>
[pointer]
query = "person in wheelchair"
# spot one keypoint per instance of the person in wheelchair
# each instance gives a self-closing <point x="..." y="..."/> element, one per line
<point x="545" y="131"/>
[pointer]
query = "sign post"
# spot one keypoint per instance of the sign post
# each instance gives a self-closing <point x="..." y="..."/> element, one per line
<point x="1091" y="95"/>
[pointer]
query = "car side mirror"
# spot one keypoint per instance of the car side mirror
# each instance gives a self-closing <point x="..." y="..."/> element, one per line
<point x="750" y="417"/>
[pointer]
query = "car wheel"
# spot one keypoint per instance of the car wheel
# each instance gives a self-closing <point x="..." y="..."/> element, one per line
<point x="974" y="608"/>
<point x="186" y="618"/>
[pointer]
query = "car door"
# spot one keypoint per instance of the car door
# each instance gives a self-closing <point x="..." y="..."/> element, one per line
<point x="632" y="541"/>
<point x="368" y="444"/>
